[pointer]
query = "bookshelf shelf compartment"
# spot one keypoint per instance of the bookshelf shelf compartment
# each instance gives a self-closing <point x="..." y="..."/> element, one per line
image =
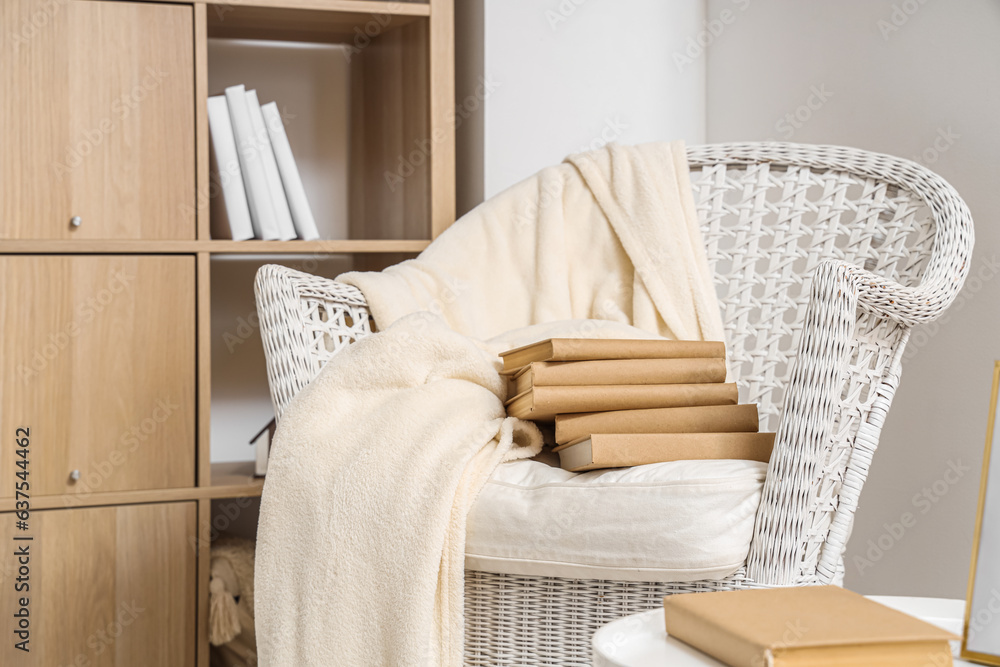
<point x="354" y="90"/>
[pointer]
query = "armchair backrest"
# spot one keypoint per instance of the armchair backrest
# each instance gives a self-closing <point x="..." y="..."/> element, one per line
<point x="770" y="218"/>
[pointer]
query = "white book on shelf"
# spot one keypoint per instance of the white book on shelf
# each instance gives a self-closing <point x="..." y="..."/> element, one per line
<point x="230" y="214"/>
<point x="265" y="223"/>
<point x="262" y="448"/>
<point x="302" y="215"/>
<point x="286" y="229"/>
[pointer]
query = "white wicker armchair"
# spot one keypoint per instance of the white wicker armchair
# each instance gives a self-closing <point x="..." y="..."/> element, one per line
<point x="824" y="259"/>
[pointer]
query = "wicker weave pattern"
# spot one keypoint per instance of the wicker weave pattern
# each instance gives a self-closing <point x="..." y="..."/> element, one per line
<point x="549" y="614"/>
<point x="314" y="319"/>
<point x="824" y="259"/>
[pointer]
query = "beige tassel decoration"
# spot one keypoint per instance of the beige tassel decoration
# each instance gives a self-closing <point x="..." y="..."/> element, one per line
<point x="224" y="624"/>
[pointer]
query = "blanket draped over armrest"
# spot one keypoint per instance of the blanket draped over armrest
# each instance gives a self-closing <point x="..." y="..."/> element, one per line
<point x="376" y="464"/>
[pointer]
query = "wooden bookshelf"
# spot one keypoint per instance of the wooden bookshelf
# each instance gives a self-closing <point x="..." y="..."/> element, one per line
<point x="143" y="193"/>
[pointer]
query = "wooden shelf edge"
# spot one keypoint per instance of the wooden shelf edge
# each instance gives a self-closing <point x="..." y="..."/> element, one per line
<point x="356" y="6"/>
<point x="73" y="501"/>
<point x="345" y="246"/>
<point x="338" y="246"/>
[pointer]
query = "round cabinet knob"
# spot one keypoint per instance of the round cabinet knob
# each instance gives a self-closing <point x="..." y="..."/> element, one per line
<point x="76" y="221"/>
<point x="74" y="475"/>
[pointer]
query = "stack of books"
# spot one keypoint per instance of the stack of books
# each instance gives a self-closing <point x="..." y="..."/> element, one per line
<point x="619" y="403"/>
<point x="252" y="164"/>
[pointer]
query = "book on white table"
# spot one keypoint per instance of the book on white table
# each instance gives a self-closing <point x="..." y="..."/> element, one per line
<point x="302" y="217"/>
<point x="286" y="231"/>
<point x="262" y="216"/>
<point x="230" y="214"/>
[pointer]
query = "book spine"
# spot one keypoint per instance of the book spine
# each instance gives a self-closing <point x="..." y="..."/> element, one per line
<point x="262" y="449"/>
<point x="581" y="349"/>
<point x="703" y="419"/>
<point x="302" y="217"/>
<point x="286" y="230"/>
<point x="265" y="225"/>
<point x="561" y="399"/>
<point x="618" y="450"/>
<point x="708" y="637"/>
<point x="629" y="371"/>
<point x="232" y="219"/>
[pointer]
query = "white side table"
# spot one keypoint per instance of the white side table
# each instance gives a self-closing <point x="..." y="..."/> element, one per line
<point x="640" y="640"/>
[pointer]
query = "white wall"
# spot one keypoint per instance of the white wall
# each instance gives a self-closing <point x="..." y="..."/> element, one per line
<point x="565" y="75"/>
<point x="924" y="84"/>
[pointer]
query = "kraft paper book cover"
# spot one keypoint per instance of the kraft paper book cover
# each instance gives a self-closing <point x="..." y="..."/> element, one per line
<point x="543" y="403"/>
<point x="571" y="429"/>
<point x="618" y="371"/>
<point x="803" y="626"/>
<point x="620" y="450"/>
<point x="580" y="349"/>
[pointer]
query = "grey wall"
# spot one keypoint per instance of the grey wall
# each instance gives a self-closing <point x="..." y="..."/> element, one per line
<point x="921" y="80"/>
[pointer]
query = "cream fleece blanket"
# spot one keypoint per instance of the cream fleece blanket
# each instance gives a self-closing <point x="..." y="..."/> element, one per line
<point x="607" y="235"/>
<point x="361" y="540"/>
<point x="376" y="463"/>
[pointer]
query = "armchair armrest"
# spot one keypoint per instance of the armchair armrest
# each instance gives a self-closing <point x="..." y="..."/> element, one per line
<point x="304" y="321"/>
<point x="807" y="507"/>
<point x="856" y="326"/>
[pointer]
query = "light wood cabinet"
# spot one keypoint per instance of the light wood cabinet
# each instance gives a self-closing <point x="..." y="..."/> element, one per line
<point x="107" y="327"/>
<point x="96" y="120"/>
<point x="97" y="359"/>
<point x="108" y="587"/>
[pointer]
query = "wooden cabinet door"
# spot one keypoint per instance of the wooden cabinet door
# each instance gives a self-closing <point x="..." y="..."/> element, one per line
<point x="107" y="587"/>
<point x="97" y="359"/>
<point x="96" y="120"/>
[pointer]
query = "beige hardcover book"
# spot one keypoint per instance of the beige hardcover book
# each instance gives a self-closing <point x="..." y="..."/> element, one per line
<point x="571" y="429"/>
<point x="580" y="349"/>
<point x="623" y="450"/>
<point x="618" y="371"/>
<point x="803" y="626"/>
<point x="543" y="403"/>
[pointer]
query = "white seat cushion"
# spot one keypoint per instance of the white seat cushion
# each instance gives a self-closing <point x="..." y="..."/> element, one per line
<point x="676" y="521"/>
